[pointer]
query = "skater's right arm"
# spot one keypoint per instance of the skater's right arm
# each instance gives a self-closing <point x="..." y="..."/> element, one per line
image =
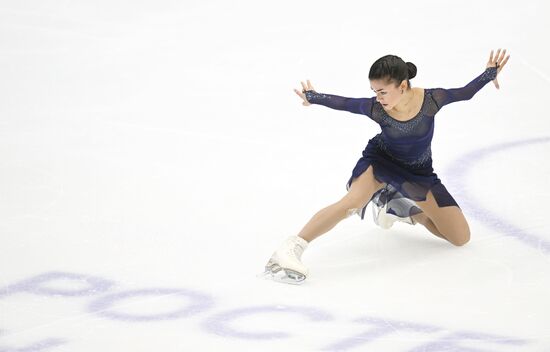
<point x="354" y="105"/>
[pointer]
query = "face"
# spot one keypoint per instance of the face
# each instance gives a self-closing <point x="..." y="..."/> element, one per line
<point x="387" y="94"/>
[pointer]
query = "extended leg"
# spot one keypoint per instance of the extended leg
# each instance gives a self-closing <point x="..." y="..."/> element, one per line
<point x="326" y="218"/>
<point x="359" y="194"/>
<point x="285" y="263"/>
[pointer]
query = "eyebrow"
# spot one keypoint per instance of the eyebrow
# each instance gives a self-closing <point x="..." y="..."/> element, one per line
<point x="377" y="90"/>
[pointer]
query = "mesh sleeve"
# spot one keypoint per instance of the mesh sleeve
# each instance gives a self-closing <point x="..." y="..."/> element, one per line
<point x="444" y="96"/>
<point x="354" y="105"/>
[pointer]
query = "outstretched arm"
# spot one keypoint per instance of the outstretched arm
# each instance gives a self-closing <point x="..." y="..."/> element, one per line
<point x="354" y="105"/>
<point x="443" y="96"/>
<point x="494" y="66"/>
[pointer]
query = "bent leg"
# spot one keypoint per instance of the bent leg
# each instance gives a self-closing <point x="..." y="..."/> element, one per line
<point x="449" y="220"/>
<point x="421" y="218"/>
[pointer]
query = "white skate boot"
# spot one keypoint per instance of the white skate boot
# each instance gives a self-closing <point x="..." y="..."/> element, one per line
<point x="285" y="265"/>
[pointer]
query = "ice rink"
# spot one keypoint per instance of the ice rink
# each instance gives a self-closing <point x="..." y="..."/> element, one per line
<point x="153" y="155"/>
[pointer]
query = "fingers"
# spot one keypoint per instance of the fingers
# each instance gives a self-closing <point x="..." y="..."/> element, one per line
<point x="502" y="56"/>
<point x="499" y="60"/>
<point x="301" y="94"/>
<point x="307" y="86"/>
<point x="505" y="61"/>
<point x="499" y="57"/>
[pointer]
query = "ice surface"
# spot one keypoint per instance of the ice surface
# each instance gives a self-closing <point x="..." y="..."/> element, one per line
<point x="153" y="154"/>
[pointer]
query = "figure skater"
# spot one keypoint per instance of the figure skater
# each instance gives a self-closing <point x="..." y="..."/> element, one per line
<point x="395" y="171"/>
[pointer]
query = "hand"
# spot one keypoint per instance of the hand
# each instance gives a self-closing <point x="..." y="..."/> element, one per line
<point x="499" y="62"/>
<point x="302" y="93"/>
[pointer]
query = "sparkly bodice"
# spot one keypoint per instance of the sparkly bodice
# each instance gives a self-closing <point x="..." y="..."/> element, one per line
<point x="408" y="142"/>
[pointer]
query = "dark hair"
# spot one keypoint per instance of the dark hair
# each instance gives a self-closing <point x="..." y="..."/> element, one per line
<point x="393" y="69"/>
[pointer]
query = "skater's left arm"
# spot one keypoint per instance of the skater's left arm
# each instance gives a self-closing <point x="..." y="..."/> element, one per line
<point x="444" y="96"/>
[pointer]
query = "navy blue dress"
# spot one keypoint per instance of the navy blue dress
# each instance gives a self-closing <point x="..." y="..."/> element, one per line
<point x="401" y="154"/>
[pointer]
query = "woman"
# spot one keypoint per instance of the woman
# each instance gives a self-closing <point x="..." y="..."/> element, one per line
<point x="395" y="171"/>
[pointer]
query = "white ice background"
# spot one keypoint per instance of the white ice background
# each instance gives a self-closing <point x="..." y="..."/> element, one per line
<point x="153" y="155"/>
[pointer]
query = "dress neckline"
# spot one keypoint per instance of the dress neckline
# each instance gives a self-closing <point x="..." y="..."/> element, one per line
<point x="415" y="116"/>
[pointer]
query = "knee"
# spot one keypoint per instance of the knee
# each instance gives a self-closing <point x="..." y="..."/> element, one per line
<point x="460" y="239"/>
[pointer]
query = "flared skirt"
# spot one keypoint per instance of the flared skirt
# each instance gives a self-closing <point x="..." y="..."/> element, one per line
<point x="405" y="183"/>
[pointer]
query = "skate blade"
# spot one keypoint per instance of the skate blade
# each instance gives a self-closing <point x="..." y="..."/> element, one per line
<point x="288" y="276"/>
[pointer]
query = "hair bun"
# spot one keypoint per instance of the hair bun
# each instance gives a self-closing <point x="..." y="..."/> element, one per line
<point x="412" y="70"/>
